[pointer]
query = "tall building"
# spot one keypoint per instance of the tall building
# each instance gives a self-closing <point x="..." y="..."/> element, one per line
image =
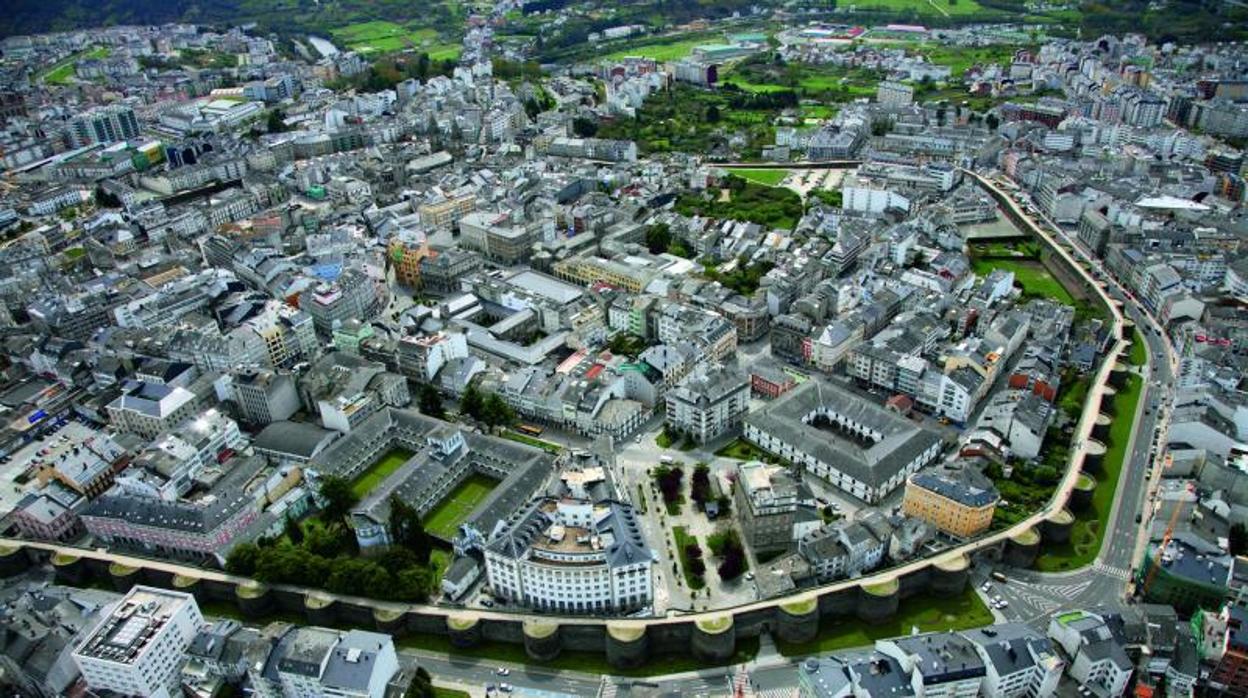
<point x="103" y="125"/>
<point x="954" y="506"/>
<point x="139" y="647"/>
<point x="708" y="403"/>
<point x="316" y="662"/>
<point x="766" y="503"/>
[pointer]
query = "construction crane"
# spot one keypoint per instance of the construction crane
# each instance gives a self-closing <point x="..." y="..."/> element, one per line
<point x="1165" y="541"/>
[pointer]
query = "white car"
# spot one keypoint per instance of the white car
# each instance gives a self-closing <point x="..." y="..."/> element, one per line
<point x="503" y="671"/>
<point x="986" y="586"/>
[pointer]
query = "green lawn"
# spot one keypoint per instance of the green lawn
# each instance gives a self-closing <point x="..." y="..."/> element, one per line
<point x="959" y="58"/>
<point x="584" y="662"/>
<point x="1089" y="532"/>
<point x="448" y="693"/>
<point x="770" y="178"/>
<point x="445" y="52"/>
<point x="61" y="73"/>
<point x="659" y="50"/>
<point x="1139" y="351"/>
<point x="681" y="535"/>
<point x="943" y="8"/>
<point x="382" y="36"/>
<point x="744" y="200"/>
<point x="1030" y="274"/>
<point x="742" y="450"/>
<point x="547" y="446"/>
<point x="379" y="471"/>
<point x="928" y="613"/>
<point x="446" y="517"/>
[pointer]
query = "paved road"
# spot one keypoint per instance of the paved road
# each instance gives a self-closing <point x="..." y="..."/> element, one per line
<point x="1033" y="596"/>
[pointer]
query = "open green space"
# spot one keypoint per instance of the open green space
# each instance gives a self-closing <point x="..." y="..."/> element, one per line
<point x="1138" y="355"/>
<point x="445" y="518"/>
<point x="445" y="52"/>
<point x="741" y="449"/>
<point x="941" y="8"/>
<point x="382" y="36"/>
<point x="585" y="662"/>
<point x="660" y="50"/>
<point x="825" y="83"/>
<point x="63" y="70"/>
<point x="769" y="178"/>
<point x="376" y="473"/>
<point x="1089" y="531"/>
<point x="927" y="612"/>
<point x="547" y="446"/>
<point x="742" y="200"/>
<point x="959" y="58"/>
<point x="448" y="693"/>
<point x="1029" y="274"/>
<point x="683" y="540"/>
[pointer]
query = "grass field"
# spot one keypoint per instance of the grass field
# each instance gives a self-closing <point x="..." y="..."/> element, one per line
<point x="546" y="446"/>
<point x="61" y="73"/>
<point x="682" y="538"/>
<point x="660" y="51"/>
<point x="741" y="450"/>
<point x="446" y="517"/>
<point x="1089" y="531"/>
<point x="959" y="58"/>
<point x="445" y="52"/>
<point x="927" y="613"/>
<point x="770" y="178"/>
<point x="379" y="471"/>
<point x="1139" y="352"/>
<point x="943" y="8"/>
<point x="382" y="37"/>
<point x="1030" y="274"/>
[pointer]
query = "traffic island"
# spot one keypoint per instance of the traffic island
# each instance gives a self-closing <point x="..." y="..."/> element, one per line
<point x="627" y="645"/>
<point x="1081" y="495"/>
<point x="541" y="640"/>
<point x="949" y="575"/>
<point x="319" y="609"/>
<point x="798" y="620"/>
<point x="13" y="561"/>
<point x="123" y="576"/>
<point x="1056" y="528"/>
<point x="254" y="600"/>
<point x="464" y="629"/>
<point x="69" y="569"/>
<point x="714" y="639"/>
<point x="878" y="602"/>
<point x="1021" y="548"/>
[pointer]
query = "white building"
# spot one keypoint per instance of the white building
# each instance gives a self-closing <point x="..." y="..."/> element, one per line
<point x="310" y="662"/>
<point x="1018" y="662"/>
<point x="139" y="647"/>
<point x="894" y="94"/>
<point x="709" y="402"/>
<point x="1096" y="648"/>
<point x="570" y="556"/>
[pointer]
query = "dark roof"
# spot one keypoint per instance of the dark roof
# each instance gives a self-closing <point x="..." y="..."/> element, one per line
<point x="299" y="439"/>
<point x="956" y="489"/>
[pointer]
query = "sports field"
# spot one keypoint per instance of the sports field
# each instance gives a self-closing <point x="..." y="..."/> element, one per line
<point x="763" y="176"/>
<point x="382" y="37"/>
<point x="669" y="51"/>
<point x="379" y="471"/>
<point x="445" y="518"/>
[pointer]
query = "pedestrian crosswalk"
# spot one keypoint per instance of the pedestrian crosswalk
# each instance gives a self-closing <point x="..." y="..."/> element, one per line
<point x="1115" y="572"/>
<point x="782" y="692"/>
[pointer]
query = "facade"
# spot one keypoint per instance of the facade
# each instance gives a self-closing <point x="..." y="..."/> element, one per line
<point x="139" y="647"/>
<point x="570" y="556"/>
<point x="953" y="505"/>
<point x="766" y="505"/>
<point x="263" y="396"/>
<point x="708" y="403"/>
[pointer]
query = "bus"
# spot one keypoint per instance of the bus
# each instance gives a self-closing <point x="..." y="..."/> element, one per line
<point x="1000" y="577"/>
<point x="529" y="430"/>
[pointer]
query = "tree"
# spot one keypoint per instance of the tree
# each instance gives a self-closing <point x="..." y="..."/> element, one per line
<point x="732" y="566"/>
<point x="495" y="412"/>
<point x="470" y="402"/>
<point x="992" y="122"/>
<point x="700" y="484"/>
<point x="712" y="114"/>
<point x="421" y="685"/>
<point x="336" y="491"/>
<point x="293" y="531"/>
<point x="242" y="559"/>
<point x="584" y="128"/>
<point x="430" y="401"/>
<point x="276" y="121"/>
<point x="1239" y="539"/>
<point x="658" y="238"/>
<point x="408" y="531"/>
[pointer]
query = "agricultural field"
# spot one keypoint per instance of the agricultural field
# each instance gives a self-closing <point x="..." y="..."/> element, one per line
<point x="382" y="37"/>
<point x="376" y="473"/>
<point x="445" y="518"/>
<point x="942" y="8"/>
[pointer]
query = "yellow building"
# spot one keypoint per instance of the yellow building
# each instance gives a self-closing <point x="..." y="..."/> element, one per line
<point x="588" y="271"/>
<point x="406" y="256"/>
<point x="953" y="505"/>
<point x="444" y="213"/>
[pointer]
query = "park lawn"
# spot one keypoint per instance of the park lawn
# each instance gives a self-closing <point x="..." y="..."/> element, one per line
<point x="546" y="446"/>
<point x="376" y="473"/>
<point x="943" y="8"/>
<point x="928" y="613"/>
<point x="741" y="449"/>
<point x="61" y="73"/>
<point x="445" y="518"/>
<point x="959" y="58"/>
<point x="439" y="692"/>
<point x="660" y="50"/>
<point x="1139" y="350"/>
<point x="584" y="662"/>
<point x="769" y="177"/>
<point x="1030" y="274"/>
<point x="382" y="36"/>
<point x="445" y="52"/>
<point x="1089" y="531"/>
<point x="681" y="535"/>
